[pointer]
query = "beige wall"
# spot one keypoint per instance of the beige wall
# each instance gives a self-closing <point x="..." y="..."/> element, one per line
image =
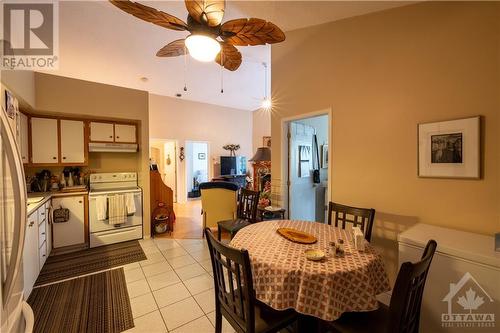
<point x="22" y="83"/>
<point x="180" y="120"/>
<point x="60" y="95"/>
<point x="382" y="74"/>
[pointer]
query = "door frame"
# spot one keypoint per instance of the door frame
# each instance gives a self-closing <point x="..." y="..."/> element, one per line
<point x="285" y="156"/>
<point x="176" y="161"/>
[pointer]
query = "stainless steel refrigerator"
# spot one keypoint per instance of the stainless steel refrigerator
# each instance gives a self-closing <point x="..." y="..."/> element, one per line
<point x="15" y="314"/>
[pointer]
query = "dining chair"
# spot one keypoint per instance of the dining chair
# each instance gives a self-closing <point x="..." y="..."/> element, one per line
<point x="218" y="202"/>
<point x="235" y="296"/>
<point x="246" y="213"/>
<point x="403" y="313"/>
<point x="361" y="217"/>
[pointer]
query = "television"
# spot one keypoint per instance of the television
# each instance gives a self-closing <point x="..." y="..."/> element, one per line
<point x="233" y="165"/>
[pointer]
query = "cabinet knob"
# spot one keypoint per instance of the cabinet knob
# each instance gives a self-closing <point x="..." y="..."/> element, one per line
<point x="43" y="233"/>
<point x="31" y="224"/>
<point x="43" y="255"/>
<point x="117" y="137"/>
<point x="110" y="136"/>
<point x="54" y="158"/>
<point x="42" y="213"/>
<point x="80" y="201"/>
<point x="64" y="157"/>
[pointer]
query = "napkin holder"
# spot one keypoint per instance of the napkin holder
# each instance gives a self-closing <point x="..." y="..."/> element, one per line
<point x="359" y="239"/>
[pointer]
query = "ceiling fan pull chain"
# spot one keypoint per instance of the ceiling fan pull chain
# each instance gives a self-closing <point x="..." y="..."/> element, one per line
<point x="185" y="68"/>
<point x="221" y="72"/>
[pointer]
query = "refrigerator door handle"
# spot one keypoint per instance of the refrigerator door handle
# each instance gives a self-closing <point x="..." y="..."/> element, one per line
<point x="20" y="207"/>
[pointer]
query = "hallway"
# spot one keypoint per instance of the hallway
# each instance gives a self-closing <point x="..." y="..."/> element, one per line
<point x="188" y="222"/>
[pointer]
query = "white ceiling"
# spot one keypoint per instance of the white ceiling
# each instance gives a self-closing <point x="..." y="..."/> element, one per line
<point x="100" y="43"/>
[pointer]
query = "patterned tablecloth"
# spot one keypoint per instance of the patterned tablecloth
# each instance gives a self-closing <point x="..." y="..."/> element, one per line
<point x="284" y="278"/>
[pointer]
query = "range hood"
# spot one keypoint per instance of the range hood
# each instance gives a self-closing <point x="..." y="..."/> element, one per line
<point x="113" y="147"/>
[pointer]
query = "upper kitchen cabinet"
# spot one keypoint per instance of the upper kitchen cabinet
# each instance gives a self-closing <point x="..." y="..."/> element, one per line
<point x="44" y="141"/>
<point x="58" y="142"/>
<point x="112" y="132"/>
<point x="125" y="133"/>
<point x="23" y="138"/>
<point x="102" y="132"/>
<point x="73" y="146"/>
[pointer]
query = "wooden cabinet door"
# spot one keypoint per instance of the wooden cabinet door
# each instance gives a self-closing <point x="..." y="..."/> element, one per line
<point x="125" y="133"/>
<point x="73" y="231"/>
<point x="101" y="132"/>
<point x="31" y="265"/>
<point x="72" y="141"/>
<point x="44" y="141"/>
<point x="23" y="137"/>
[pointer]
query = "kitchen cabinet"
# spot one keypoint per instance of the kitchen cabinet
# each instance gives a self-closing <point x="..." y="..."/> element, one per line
<point x="125" y="133"/>
<point x="102" y="132"/>
<point x="44" y="141"/>
<point x="113" y="132"/>
<point x="72" y="141"/>
<point x="23" y="137"/>
<point x="31" y="263"/>
<point x="58" y="142"/>
<point x="71" y="232"/>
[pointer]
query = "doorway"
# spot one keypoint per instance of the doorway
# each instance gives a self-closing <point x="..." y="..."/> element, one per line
<point x="307" y="167"/>
<point x="163" y="153"/>
<point x="197" y="167"/>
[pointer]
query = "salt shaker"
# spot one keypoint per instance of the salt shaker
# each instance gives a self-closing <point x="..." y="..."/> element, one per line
<point x="340" y="247"/>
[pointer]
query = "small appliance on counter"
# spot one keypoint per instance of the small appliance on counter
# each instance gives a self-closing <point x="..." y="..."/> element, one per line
<point x="109" y="192"/>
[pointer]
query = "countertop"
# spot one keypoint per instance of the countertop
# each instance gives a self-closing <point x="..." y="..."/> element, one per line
<point x="47" y="196"/>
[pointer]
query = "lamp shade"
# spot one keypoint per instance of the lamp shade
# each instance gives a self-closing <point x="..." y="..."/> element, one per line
<point x="263" y="154"/>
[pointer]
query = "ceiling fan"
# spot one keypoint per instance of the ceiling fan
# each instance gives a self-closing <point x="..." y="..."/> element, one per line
<point x="209" y="38"/>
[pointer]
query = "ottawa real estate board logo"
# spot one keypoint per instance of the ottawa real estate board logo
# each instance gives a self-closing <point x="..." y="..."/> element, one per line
<point x="469" y="305"/>
<point x="29" y="35"/>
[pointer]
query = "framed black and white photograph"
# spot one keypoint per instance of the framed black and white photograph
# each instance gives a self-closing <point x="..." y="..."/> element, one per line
<point x="324" y="156"/>
<point x="201" y="156"/>
<point x="449" y="149"/>
<point x="266" y="141"/>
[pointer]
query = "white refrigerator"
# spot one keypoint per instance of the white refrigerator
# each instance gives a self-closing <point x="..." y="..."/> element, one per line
<point x="15" y="314"/>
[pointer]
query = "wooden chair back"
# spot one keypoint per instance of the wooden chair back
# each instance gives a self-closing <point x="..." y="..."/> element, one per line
<point x="247" y="205"/>
<point x="358" y="217"/>
<point x="234" y="293"/>
<point x="407" y="294"/>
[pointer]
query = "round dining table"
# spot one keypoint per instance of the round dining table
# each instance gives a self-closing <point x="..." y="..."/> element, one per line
<point x="283" y="278"/>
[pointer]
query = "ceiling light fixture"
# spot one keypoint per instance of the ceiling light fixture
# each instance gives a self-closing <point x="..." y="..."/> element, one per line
<point x="202" y="47"/>
<point x="267" y="104"/>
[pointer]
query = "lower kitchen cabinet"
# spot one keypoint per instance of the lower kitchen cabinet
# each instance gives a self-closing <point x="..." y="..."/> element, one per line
<point x="31" y="262"/>
<point x="71" y="232"/>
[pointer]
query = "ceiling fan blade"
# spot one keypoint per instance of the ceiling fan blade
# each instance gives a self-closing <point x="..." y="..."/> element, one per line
<point x="209" y="12"/>
<point x="229" y="57"/>
<point x="150" y="14"/>
<point x="173" y="49"/>
<point x="253" y="31"/>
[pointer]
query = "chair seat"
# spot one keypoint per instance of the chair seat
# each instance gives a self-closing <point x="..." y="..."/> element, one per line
<point x="360" y="322"/>
<point x="268" y="319"/>
<point x="233" y="226"/>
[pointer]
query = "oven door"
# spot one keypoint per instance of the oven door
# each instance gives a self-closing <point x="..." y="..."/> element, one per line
<point x="96" y="225"/>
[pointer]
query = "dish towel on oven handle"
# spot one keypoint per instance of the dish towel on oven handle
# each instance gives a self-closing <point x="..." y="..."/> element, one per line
<point x="117" y="210"/>
<point x="130" y="203"/>
<point x="101" y="206"/>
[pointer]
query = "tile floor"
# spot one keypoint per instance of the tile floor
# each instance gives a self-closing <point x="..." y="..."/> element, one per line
<point x="172" y="291"/>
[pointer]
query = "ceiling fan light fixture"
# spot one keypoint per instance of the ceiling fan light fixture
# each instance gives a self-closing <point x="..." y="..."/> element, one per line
<point x="202" y="48"/>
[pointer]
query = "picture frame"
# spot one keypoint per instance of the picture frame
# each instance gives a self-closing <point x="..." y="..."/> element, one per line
<point x="450" y="149"/>
<point x="11" y="104"/>
<point x="202" y="156"/>
<point x="266" y="141"/>
<point x="324" y="156"/>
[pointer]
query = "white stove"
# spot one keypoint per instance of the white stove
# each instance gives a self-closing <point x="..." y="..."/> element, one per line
<point x="102" y="186"/>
